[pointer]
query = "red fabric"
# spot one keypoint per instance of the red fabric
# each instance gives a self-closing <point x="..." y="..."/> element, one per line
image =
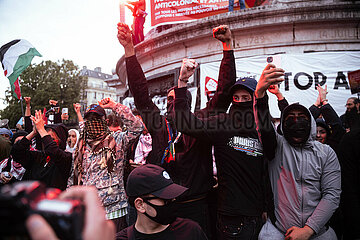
<point x="17" y="88"/>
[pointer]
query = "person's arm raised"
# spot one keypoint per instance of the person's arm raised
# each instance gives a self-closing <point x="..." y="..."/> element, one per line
<point x="125" y="38"/>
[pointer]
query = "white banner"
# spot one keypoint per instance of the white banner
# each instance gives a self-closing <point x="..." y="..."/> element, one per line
<point x="302" y="73"/>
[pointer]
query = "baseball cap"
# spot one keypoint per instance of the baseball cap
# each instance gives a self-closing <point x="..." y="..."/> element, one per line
<point x="95" y="108"/>
<point x="152" y="179"/>
<point x="248" y="83"/>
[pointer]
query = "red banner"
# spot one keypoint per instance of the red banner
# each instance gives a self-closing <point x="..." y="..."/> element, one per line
<point x="171" y="11"/>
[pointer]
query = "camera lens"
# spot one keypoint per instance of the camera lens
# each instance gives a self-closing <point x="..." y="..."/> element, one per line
<point x="269" y="59"/>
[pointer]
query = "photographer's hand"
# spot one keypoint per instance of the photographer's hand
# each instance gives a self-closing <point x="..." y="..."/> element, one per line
<point x="39" y="229"/>
<point x="95" y="224"/>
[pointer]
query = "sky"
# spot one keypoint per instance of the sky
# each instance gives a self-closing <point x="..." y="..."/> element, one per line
<point x="83" y="31"/>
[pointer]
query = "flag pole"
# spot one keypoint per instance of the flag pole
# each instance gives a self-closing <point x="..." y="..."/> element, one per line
<point x="21" y="101"/>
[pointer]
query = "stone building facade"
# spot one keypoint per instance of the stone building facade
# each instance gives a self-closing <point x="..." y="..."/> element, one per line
<point x="284" y="26"/>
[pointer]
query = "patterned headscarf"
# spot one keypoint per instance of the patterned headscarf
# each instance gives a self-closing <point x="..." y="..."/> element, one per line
<point x="97" y="134"/>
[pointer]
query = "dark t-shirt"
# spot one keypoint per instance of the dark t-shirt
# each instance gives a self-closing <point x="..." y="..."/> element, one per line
<point x="178" y="230"/>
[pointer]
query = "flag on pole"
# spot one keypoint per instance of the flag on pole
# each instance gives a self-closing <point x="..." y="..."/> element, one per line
<point x="15" y="57"/>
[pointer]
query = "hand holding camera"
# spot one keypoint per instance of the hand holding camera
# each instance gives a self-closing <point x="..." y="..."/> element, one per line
<point x="96" y="226"/>
<point x="75" y="214"/>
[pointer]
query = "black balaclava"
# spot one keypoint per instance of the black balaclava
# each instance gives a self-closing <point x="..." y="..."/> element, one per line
<point x="242" y="113"/>
<point x="170" y="105"/>
<point x="297" y="127"/>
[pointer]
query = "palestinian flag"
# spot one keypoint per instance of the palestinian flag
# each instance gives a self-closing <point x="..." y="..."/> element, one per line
<point x="15" y="57"/>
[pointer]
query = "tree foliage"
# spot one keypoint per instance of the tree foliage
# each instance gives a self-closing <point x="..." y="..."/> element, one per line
<point x="59" y="81"/>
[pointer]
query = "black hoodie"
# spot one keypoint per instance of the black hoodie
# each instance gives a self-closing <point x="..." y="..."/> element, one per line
<point x="238" y="153"/>
<point x="52" y="165"/>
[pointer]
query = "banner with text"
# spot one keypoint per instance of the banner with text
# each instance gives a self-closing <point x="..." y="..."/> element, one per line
<point x="302" y="73"/>
<point x="175" y="11"/>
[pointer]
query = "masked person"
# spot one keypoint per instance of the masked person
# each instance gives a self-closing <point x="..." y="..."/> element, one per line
<point x="99" y="158"/>
<point x="239" y="160"/>
<point x="52" y="164"/>
<point x="304" y="173"/>
<point x="188" y="160"/>
<point x="152" y="192"/>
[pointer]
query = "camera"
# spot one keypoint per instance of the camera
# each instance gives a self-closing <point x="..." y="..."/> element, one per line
<point x="21" y="199"/>
<point x="269" y="59"/>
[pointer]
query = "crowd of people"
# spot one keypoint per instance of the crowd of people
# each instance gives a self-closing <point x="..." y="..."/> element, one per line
<point x="143" y="175"/>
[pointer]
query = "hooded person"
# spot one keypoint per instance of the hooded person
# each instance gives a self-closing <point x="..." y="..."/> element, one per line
<point x="239" y="159"/>
<point x="72" y="140"/>
<point x="52" y="164"/>
<point x="152" y="192"/>
<point x="304" y="173"/>
<point x="186" y="159"/>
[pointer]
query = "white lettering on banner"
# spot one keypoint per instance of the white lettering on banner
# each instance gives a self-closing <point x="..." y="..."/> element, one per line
<point x="303" y="72"/>
<point x="173" y="4"/>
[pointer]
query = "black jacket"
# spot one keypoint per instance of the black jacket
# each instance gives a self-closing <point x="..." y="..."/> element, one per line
<point x="193" y="165"/>
<point x="52" y="165"/>
<point x="238" y="154"/>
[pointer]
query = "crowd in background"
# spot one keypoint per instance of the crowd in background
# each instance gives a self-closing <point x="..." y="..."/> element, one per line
<point x="229" y="171"/>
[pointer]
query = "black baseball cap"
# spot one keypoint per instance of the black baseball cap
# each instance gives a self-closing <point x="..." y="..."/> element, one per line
<point x="95" y="108"/>
<point x="152" y="179"/>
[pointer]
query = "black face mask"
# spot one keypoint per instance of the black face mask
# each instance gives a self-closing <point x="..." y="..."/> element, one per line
<point x="243" y="105"/>
<point x="164" y="214"/>
<point x="296" y="128"/>
<point x="242" y="114"/>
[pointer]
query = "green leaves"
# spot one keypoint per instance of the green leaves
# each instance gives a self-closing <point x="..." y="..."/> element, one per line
<point x="59" y="81"/>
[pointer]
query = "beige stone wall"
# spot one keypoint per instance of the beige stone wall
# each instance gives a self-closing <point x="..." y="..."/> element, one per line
<point x="286" y="26"/>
